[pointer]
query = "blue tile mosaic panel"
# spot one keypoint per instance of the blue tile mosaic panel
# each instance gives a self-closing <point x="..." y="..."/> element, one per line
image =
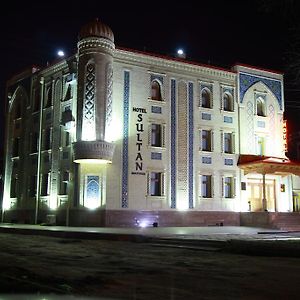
<point x="156" y="109"/>
<point x="261" y="124"/>
<point x="228" y="161"/>
<point x="228" y="119"/>
<point x="206" y="116"/>
<point x="156" y="155"/>
<point x="124" y="201"/>
<point x="173" y="143"/>
<point x="247" y="80"/>
<point x="191" y="144"/>
<point x="206" y="160"/>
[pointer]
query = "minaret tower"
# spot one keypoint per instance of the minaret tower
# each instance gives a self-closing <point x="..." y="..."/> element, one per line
<point x="92" y="149"/>
<point x="94" y="95"/>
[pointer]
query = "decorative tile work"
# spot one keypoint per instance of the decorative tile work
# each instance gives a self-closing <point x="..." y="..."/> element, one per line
<point x="247" y="80"/>
<point x="173" y="143"/>
<point x="261" y="124"/>
<point x="206" y="160"/>
<point x="206" y="85"/>
<point x="206" y="116"/>
<point x="109" y="83"/>
<point x="156" y="109"/>
<point x="156" y="155"/>
<point x="88" y="126"/>
<point x="228" y="119"/>
<point x="250" y="125"/>
<point x="125" y="140"/>
<point x="228" y="162"/>
<point x="92" y="188"/>
<point x="191" y="144"/>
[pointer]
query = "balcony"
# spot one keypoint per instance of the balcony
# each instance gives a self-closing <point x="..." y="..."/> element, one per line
<point x="96" y="152"/>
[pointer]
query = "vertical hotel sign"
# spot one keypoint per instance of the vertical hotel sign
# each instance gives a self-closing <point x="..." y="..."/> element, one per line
<point x="284" y="131"/>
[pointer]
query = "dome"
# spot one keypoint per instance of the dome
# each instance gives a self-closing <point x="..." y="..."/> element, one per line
<point x="96" y="29"/>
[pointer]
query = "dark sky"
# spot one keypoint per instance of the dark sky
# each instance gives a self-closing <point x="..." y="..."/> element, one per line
<point x="217" y="32"/>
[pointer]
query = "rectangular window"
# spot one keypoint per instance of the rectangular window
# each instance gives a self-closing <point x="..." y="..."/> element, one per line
<point x="65" y="138"/>
<point x="260" y="145"/>
<point x="47" y="138"/>
<point x="64" y="180"/>
<point x="206" y="186"/>
<point x="206" y="140"/>
<point x="34" y="140"/>
<point x="32" y="186"/>
<point x="156" y="135"/>
<point x="16" y="147"/>
<point x="156" y="184"/>
<point x="45" y="188"/>
<point x="14" y="186"/>
<point x="228" y="187"/>
<point x="228" y="142"/>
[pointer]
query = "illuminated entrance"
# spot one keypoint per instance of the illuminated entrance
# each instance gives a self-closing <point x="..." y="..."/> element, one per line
<point x="255" y="194"/>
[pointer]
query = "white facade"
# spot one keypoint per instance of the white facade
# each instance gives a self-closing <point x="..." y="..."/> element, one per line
<point x="161" y="136"/>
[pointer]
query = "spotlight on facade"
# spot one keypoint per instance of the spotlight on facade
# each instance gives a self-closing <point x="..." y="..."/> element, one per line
<point x="180" y="53"/>
<point x="60" y="53"/>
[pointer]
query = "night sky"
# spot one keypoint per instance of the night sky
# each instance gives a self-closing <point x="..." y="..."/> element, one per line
<point x="219" y="33"/>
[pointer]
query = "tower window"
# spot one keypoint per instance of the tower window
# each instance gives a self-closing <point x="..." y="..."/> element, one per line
<point x="228" y="142"/>
<point x="156" y="135"/>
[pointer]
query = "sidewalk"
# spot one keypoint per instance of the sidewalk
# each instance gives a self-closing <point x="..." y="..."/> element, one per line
<point x="221" y="233"/>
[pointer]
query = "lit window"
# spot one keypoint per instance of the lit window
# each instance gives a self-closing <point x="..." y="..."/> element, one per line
<point x="206" y="98"/>
<point x="156" y="184"/>
<point x="228" y="142"/>
<point x="228" y="187"/>
<point x="206" y="186"/>
<point x="260" y="107"/>
<point x="228" y="102"/>
<point x="206" y="140"/>
<point x="155" y="91"/>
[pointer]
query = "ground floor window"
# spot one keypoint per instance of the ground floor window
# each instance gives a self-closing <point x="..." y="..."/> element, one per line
<point x="206" y="186"/>
<point x="229" y="187"/>
<point x="156" y="184"/>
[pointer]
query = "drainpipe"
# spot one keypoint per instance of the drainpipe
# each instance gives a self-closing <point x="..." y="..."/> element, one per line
<point x="38" y="180"/>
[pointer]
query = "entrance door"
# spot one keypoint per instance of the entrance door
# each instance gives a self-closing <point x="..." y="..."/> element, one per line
<point x="255" y="194"/>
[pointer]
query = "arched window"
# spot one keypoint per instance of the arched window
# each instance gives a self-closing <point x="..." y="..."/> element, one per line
<point x="227" y="102"/>
<point x="156" y="91"/>
<point x="260" y="107"/>
<point x="48" y="102"/>
<point x="206" y="98"/>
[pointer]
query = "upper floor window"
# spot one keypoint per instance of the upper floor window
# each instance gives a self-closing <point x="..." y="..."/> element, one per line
<point x="157" y="135"/>
<point x="18" y="111"/>
<point x="36" y="100"/>
<point x="206" y="140"/>
<point x="260" y="107"/>
<point x="206" y="98"/>
<point x="260" y="145"/>
<point x="206" y="186"/>
<point x="156" y="91"/>
<point x="47" y="138"/>
<point x="227" y="102"/>
<point x="48" y="100"/>
<point x="228" y="142"/>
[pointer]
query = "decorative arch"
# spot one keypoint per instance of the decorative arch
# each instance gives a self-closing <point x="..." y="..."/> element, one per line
<point x="156" y="90"/>
<point x="206" y="98"/>
<point x="19" y="93"/>
<point x="248" y="80"/>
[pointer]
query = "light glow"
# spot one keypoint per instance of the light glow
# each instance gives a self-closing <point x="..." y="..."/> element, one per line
<point x="180" y="52"/>
<point x="92" y="161"/>
<point x="60" y="53"/>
